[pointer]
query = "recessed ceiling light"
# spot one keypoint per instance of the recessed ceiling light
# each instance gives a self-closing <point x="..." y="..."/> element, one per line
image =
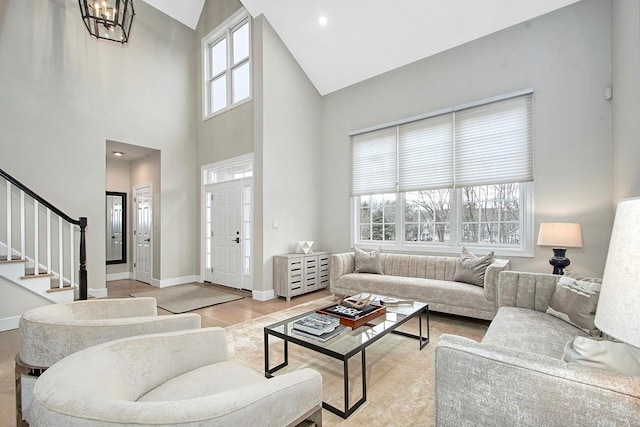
<point x="322" y="20"/>
<point x="118" y="153"/>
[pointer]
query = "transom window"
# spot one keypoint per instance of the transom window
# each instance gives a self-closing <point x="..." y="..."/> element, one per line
<point x="227" y="65"/>
<point x="453" y="178"/>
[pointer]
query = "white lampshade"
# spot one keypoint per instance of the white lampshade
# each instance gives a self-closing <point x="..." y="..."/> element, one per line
<point x="560" y="235"/>
<point x="618" y="312"/>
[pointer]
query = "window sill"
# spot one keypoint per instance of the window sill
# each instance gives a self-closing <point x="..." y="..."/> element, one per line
<point x="229" y="108"/>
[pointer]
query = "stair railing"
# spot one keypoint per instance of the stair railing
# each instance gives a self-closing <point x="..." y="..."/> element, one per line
<point x="81" y="223"/>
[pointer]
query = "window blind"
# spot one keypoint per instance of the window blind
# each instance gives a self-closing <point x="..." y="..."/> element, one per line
<point x="374" y="162"/>
<point x="425" y="155"/>
<point x="494" y="143"/>
<point x="490" y="143"/>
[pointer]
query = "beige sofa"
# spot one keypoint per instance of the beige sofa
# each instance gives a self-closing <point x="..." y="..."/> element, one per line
<point x="421" y="278"/>
<point x="516" y="375"/>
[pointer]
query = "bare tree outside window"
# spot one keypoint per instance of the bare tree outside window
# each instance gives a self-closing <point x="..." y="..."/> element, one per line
<point x="378" y="217"/>
<point x="427" y="216"/>
<point x="491" y="214"/>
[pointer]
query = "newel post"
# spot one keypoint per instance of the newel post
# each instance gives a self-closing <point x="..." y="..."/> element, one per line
<point x="83" y="259"/>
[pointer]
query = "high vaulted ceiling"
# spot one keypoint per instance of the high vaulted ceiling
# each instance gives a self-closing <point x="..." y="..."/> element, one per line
<point x="364" y="38"/>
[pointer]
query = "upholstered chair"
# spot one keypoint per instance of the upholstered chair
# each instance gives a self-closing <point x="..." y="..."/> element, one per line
<point x="48" y="334"/>
<point x="178" y="379"/>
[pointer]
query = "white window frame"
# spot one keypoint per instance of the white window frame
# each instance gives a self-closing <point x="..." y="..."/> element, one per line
<point x="225" y="31"/>
<point x="525" y="249"/>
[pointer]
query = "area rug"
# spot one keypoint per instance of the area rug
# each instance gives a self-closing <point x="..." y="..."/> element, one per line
<point x="183" y="298"/>
<point x="399" y="376"/>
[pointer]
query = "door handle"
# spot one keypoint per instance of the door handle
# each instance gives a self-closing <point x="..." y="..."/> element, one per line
<point x="147" y="240"/>
<point x="237" y="240"/>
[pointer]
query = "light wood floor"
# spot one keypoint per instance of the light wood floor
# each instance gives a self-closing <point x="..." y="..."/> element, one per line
<point x="218" y="315"/>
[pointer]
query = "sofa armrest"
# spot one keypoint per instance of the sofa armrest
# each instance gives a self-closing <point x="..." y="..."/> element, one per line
<point x="526" y="290"/>
<point x="491" y="278"/>
<point x="478" y="384"/>
<point x="341" y="264"/>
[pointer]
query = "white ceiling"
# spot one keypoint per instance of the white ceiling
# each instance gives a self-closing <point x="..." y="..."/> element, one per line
<point x="186" y="11"/>
<point x="365" y="38"/>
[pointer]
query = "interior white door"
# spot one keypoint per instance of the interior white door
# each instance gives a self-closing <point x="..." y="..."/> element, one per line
<point x="223" y="233"/>
<point x="143" y="233"/>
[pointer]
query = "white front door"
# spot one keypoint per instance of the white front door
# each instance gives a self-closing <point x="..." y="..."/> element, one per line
<point x="143" y="233"/>
<point x="223" y="233"/>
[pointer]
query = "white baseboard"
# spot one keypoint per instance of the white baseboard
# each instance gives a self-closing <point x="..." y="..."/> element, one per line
<point x="263" y="295"/>
<point x="164" y="283"/>
<point x="97" y="293"/>
<point x="9" y="323"/>
<point x="119" y="276"/>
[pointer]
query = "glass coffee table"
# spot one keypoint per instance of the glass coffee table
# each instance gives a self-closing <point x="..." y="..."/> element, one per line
<point x="348" y="344"/>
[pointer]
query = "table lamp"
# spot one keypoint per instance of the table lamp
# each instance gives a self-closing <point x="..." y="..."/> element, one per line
<point x="618" y="313"/>
<point x="560" y="236"/>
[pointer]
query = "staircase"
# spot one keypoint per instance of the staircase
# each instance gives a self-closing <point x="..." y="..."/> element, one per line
<point x="43" y="283"/>
<point x="41" y="248"/>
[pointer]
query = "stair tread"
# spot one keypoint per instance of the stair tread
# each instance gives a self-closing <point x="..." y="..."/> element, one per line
<point x="64" y="288"/>
<point x="29" y="273"/>
<point x="3" y="259"/>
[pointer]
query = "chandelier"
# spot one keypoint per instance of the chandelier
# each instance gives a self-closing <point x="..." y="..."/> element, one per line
<point x="108" y="19"/>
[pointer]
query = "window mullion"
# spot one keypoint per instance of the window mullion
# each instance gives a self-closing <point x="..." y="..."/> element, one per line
<point x="400" y="214"/>
<point x="456" y="217"/>
<point x="229" y="66"/>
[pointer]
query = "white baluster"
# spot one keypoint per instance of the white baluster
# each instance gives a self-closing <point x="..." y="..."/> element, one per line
<point x="48" y="241"/>
<point x="60" y="254"/>
<point x="9" y="221"/>
<point x="22" y="226"/>
<point x="71" y="255"/>
<point x="36" y="232"/>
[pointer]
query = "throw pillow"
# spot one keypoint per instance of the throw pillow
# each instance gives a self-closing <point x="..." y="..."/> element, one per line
<point x="604" y="354"/>
<point x="575" y="301"/>
<point x="471" y="269"/>
<point x="368" y="262"/>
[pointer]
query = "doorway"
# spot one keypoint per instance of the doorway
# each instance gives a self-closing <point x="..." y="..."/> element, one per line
<point x="227" y="215"/>
<point x="143" y="233"/>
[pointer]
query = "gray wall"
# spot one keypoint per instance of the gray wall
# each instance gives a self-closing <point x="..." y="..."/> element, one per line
<point x="291" y="188"/>
<point x="625" y="38"/>
<point x="63" y="94"/>
<point x="566" y="57"/>
<point x="226" y="135"/>
<point x="281" y="127"/>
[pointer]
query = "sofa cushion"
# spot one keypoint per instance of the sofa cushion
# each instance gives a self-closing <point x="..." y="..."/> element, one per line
<point x="530" y="331"/>
<point x="427" y="290"/>
<point x="368" y="262"/>
<point x="204" y="381"/>
<point x="471" y="269"/>
<point x="604" y="354"/>
<point x="575" y="301"/>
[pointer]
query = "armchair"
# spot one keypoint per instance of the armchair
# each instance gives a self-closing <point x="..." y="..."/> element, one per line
<point x="48" y="334"/>
<point x="178" y="378"/>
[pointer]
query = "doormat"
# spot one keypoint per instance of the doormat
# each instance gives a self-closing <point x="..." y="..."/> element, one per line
<point x="183" y="298"/>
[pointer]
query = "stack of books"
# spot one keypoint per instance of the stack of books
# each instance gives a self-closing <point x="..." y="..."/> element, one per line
<point x="319" y="327"/>
<point x="346" y="310"/>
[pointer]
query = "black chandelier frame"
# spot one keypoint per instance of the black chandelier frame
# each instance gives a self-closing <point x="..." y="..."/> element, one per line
<point x="102" y="26"/>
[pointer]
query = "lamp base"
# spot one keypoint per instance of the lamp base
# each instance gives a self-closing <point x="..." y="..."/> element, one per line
<point x="559" y="261"/>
